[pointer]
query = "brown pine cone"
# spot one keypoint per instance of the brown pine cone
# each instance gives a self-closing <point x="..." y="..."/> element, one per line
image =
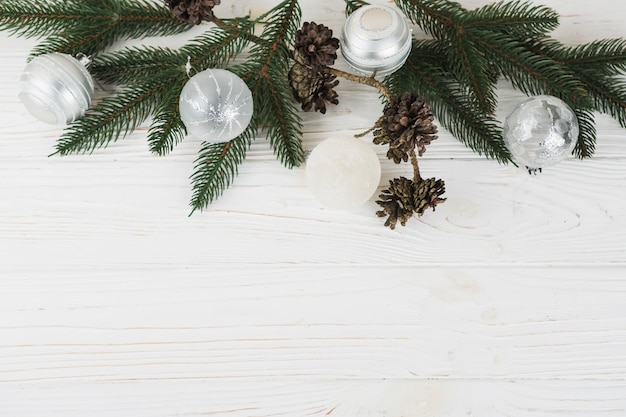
<point x="427" y="194"/>
<point x="315" y="46"/>
<point x="404" y="197"/>
<point x="313" y="89"/>
<point x="406" y="124"/>
<point x="193" y="11"/>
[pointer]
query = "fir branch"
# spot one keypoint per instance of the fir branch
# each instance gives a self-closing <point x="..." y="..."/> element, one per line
<point x="353" y="5"/>
<point x="425" y="73"/>
<point x="135" y="64"/>
<point x="586" y="143"/>
<point x="437" y="17"/>
<point x="87" y="26"/>
<point x="469" y="67"/>
<point x="213" y="49"/>
<point x="36" y="19"/>
<point x="608" y="95"/>
<point x="216" y="167"/>
<point x="598" y="67"/>
<point x="113" y="117"/>
<point x="275" y="108"/>
<point x="518" y="18"/>
<point x="607" y="56"/>
<point x="529" y="71"/>
<point x="167" y="129"/>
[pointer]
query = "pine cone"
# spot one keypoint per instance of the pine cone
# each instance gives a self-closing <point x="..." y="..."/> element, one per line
<point x="313" y="89"/>
<point x="404" y="197"/>
<point x="315" y="46"/>
<point x="193" y="11"/>
<point x="406" y="124"/>
<point x="427" y="194"/>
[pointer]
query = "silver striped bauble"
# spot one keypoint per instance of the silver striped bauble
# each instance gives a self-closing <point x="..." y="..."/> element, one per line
<point x="56" y="88"/>
<point x="215" y="105"/>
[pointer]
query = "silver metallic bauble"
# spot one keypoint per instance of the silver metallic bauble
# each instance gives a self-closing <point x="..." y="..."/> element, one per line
<point x="376" y="38"/>
<point x="541" y="131"/>
<point x="56" y="88"/>
<point x="343" y="172"/>
<point x="216" y="105"/>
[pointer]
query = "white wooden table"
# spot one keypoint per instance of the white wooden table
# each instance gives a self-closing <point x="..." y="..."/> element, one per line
<point x="509" y="300"/>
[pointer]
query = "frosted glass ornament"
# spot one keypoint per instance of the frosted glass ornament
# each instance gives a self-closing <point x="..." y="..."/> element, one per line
<point x="343" y="172"/>
<point x="541" y="131"/>
<point x="215" y="105"/>
<point x="56" y="88"/>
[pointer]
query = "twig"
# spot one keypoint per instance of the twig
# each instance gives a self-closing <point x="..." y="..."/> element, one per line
<point x="361" y="79"/>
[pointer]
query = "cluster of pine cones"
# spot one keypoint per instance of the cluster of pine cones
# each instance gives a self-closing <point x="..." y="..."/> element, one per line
<point x="406" y="126"/>
<point x="315" y="50"/>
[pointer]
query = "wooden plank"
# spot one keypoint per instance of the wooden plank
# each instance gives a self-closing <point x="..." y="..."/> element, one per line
<point x="108" y="323"/>
<point x="345" y="398"/>
<point x="128" y="209"/>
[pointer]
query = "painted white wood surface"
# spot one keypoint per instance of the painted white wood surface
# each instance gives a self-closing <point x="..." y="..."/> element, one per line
<point x="509" y="300"/>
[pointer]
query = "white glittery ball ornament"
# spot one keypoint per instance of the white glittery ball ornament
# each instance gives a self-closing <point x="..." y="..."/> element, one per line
<point x="343" y="172"/>
<point x="215" y="105"/>
<point x="56" y="88"/>
<point x="541" y="131"/>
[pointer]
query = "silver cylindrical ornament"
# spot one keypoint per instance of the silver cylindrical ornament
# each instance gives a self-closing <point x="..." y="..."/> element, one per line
<point x="376" y="38"/>
<point x="56" y="88"/>
<point x="215" y="105"/>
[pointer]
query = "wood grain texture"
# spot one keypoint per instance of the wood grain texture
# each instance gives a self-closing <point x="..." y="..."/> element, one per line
<point x="506" y="301"/>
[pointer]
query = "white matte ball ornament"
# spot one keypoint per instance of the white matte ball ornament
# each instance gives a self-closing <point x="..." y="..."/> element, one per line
<point x="56" y="88"/>
<point x="541" y="131"/>
<point x="343" y="172"/>
<point x="216" y="105"/>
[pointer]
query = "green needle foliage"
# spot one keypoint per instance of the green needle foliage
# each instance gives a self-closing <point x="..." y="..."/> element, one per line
<point x="86" y="26"/>
<point x="457" y="70"/>
<point x="216" y="167"/>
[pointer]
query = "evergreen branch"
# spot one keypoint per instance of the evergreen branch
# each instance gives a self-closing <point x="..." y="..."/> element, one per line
<point x="437" y="17"/>
<point x="216" y="167"/>
<point x="518" y="18"/>
<point x="586" y="143"/>
<point x="353" y="5"/>
<point x="139" y="19"/>
<point x="78" y="41"/>
<point x="34" y="19"/>
<point x="135" y="64"/>
<point x="280" y="117"/>
<point x="608" y="95"/>
<point x="274" y="106"/>
<point x="167" y="129"/>
<point x="113" y="117"/>
<point x="469" y="67"/>
<point x="424" y="73"/>
<point x="87" y="26"/>
<point x="528" y="71"/>
<point x="606" y="57"/>
<point x="213" y="49"/>
<point x="597" y="65"/>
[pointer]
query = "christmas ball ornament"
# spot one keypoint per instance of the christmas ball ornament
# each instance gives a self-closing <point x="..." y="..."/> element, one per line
<point x="215" y="105"/>
<point x="541" y="131"/>
<point x="56" y="88"/>
<point x="343" y="172"/>
<point x="376" y="38"/>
